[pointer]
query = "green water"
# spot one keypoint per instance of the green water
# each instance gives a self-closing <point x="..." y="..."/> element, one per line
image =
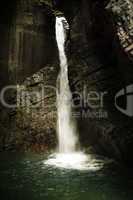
<point x="24" y="177"/>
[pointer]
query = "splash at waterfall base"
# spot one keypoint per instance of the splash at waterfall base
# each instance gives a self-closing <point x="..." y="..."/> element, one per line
<point x="75" y="161"/>
<point x="68" y="156"/>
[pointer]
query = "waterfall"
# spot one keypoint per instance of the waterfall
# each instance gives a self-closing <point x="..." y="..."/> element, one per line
<point x="67" y="156"/>
<point x="66" y="130"/>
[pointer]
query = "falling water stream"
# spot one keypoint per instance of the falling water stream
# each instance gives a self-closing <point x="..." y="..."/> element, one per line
<point x="68" y="155"/>
<point x="65" y="125"/>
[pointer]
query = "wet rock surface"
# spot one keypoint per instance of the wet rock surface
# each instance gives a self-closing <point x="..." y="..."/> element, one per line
<point x="98" y="64"/>
<point x="32" y="69"/>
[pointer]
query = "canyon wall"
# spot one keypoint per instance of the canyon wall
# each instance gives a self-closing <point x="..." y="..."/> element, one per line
<point x="31" y="67"/>
<point x="100" y="65"/>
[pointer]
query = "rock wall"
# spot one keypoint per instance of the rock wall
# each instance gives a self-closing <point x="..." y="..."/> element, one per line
<point x="100" y="67"/>
<point x="33" y="66"/>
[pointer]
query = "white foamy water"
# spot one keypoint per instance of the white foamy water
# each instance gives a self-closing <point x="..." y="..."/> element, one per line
<point x="77" y="161"/>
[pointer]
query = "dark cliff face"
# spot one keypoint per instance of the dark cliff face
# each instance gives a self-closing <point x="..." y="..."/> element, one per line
<point x="29" y="59"/>
<point x="99" y="50"/>
<point x="100" y="64"/>
<point x="7" y="13"/>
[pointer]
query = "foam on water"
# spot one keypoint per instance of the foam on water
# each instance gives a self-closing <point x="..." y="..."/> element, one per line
<point x="77" y="161"/>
